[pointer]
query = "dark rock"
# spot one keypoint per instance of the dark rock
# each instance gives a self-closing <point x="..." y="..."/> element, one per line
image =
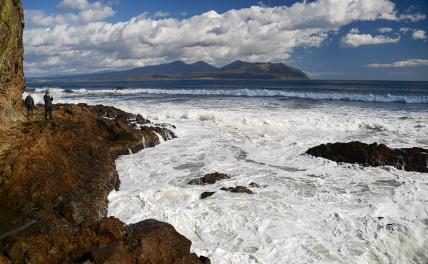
<point x="209" y="179"/>
<point x="237" y="189"/>
<point x="409" y="159"/>
<point x="254" y="185"/>
<point x="68" y="91"/>
<point x="207" y="194"/>
<point x="158" y="242"/>
<point x="204" y="260"/>
<point x="140" y="120"/>
<point x="118" y="88"/>
<point x="111" y="254"/>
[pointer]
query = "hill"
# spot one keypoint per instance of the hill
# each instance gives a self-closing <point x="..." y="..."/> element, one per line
<point x="198" y="70"/>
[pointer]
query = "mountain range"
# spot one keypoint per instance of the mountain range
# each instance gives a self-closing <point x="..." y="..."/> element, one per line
<point x="198" y="70"/>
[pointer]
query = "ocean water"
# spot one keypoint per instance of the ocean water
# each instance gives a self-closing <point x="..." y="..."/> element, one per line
<point x="308" y="210"/>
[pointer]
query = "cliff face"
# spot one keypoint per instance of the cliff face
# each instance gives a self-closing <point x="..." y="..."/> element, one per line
<point x="11" y="58"/>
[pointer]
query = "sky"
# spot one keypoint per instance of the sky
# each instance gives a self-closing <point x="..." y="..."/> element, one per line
<point x="328" y="39"/>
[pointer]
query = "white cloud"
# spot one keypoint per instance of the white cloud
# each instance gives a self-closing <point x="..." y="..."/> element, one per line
<point x="355" y="39"/>
<point x="419" y="34"/>
<point x="86" y="12"/>
<point x="161" y="14"/>
<point x="401" y="64"/>
<point x="385" y="30"/>
<point x="80" y="42"/>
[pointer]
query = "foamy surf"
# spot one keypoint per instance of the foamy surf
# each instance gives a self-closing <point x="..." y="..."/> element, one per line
<point x="308" y="210"/>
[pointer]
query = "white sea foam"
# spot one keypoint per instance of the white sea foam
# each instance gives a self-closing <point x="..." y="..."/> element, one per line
<point x="309" y="210"/>
<point x="255" y="93"/>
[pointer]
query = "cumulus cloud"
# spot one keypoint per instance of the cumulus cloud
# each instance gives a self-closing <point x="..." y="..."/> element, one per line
<point x="62" y="43"/>
<point x="401" y="64"/>
<point x="84" y="12"/>
<point x="355" y="39"/>
<point x="419" y="34"/>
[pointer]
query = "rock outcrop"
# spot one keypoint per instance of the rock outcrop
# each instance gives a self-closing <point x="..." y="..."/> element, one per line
<point x="210" y="178"/>
<point x="54" y="180"/>
<point x="11" y="58"/>
<point x="409" y="159"/>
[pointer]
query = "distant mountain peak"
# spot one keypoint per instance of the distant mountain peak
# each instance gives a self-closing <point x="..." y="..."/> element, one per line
<point x="198" y="70"/>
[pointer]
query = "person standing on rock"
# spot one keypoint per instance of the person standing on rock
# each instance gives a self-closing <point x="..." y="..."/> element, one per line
<point x="48" y="105"/>
<point x="29" y="104"/>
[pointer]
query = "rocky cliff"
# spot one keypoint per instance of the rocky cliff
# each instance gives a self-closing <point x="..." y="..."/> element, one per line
<point x="54" y="180"/>
<point x="11" y="58"/>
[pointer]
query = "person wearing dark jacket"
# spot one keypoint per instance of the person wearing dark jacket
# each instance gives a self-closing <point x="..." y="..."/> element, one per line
<point x="29" y="104"/>
<point x="48" y="105"/>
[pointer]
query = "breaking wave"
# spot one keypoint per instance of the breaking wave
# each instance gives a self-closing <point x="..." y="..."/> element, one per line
<point x="388" y="98"/>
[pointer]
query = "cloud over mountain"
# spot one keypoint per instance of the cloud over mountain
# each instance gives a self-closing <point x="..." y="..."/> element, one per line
<point x="82" y="40"/>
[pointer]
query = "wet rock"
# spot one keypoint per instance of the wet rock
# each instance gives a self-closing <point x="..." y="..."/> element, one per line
<point x="254" y="185"/>
<point x="409" y="159"/>
<point x="237" y="189"/>
<point x="204" y="260"/>
<point x="207" y="194"/>
<point x="68" y="91"/>
<point x="140" y="120"/>
<point x="209" y="179"/>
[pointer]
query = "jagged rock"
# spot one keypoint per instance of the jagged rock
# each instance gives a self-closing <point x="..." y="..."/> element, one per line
<point x="11" y="61"/>
<point x="409" y="159"/>
<point x="237" y="189"/>
<point x="207" y="194"/>
<point x="209" y="179"/>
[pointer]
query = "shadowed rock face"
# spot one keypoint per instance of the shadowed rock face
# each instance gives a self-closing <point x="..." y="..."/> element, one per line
<point x="409" y="159"/>
<point x="11" y="57"/>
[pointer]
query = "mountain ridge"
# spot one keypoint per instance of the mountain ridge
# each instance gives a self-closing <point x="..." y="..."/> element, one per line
<point x="197" y="70"/>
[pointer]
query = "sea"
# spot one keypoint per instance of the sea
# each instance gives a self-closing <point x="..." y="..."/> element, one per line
<point x="307" y="209"/>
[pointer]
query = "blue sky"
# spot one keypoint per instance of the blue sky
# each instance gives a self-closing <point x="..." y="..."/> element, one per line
<point x="347" y="39"/>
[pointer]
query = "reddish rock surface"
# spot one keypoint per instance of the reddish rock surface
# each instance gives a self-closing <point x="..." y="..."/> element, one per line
<point x="409" y="159"/>
<point x="11" y="57"/>
<point x="54" y="180"/>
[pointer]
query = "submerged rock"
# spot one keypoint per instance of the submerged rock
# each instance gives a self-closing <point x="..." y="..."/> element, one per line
<point x="409" y="159"/>
<point x="237" y="189"/>
<point x="209" y="179"/>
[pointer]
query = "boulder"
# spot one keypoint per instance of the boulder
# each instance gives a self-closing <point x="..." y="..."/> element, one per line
<point x="158" y="242"/>
<point x="409" y="159"/>
<point x="207" y="194"/>
<point x="209" y="179"/>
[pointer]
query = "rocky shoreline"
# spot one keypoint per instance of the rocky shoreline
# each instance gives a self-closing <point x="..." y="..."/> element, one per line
<point x="408" y="159"/>
<point x="55" y="178"/>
